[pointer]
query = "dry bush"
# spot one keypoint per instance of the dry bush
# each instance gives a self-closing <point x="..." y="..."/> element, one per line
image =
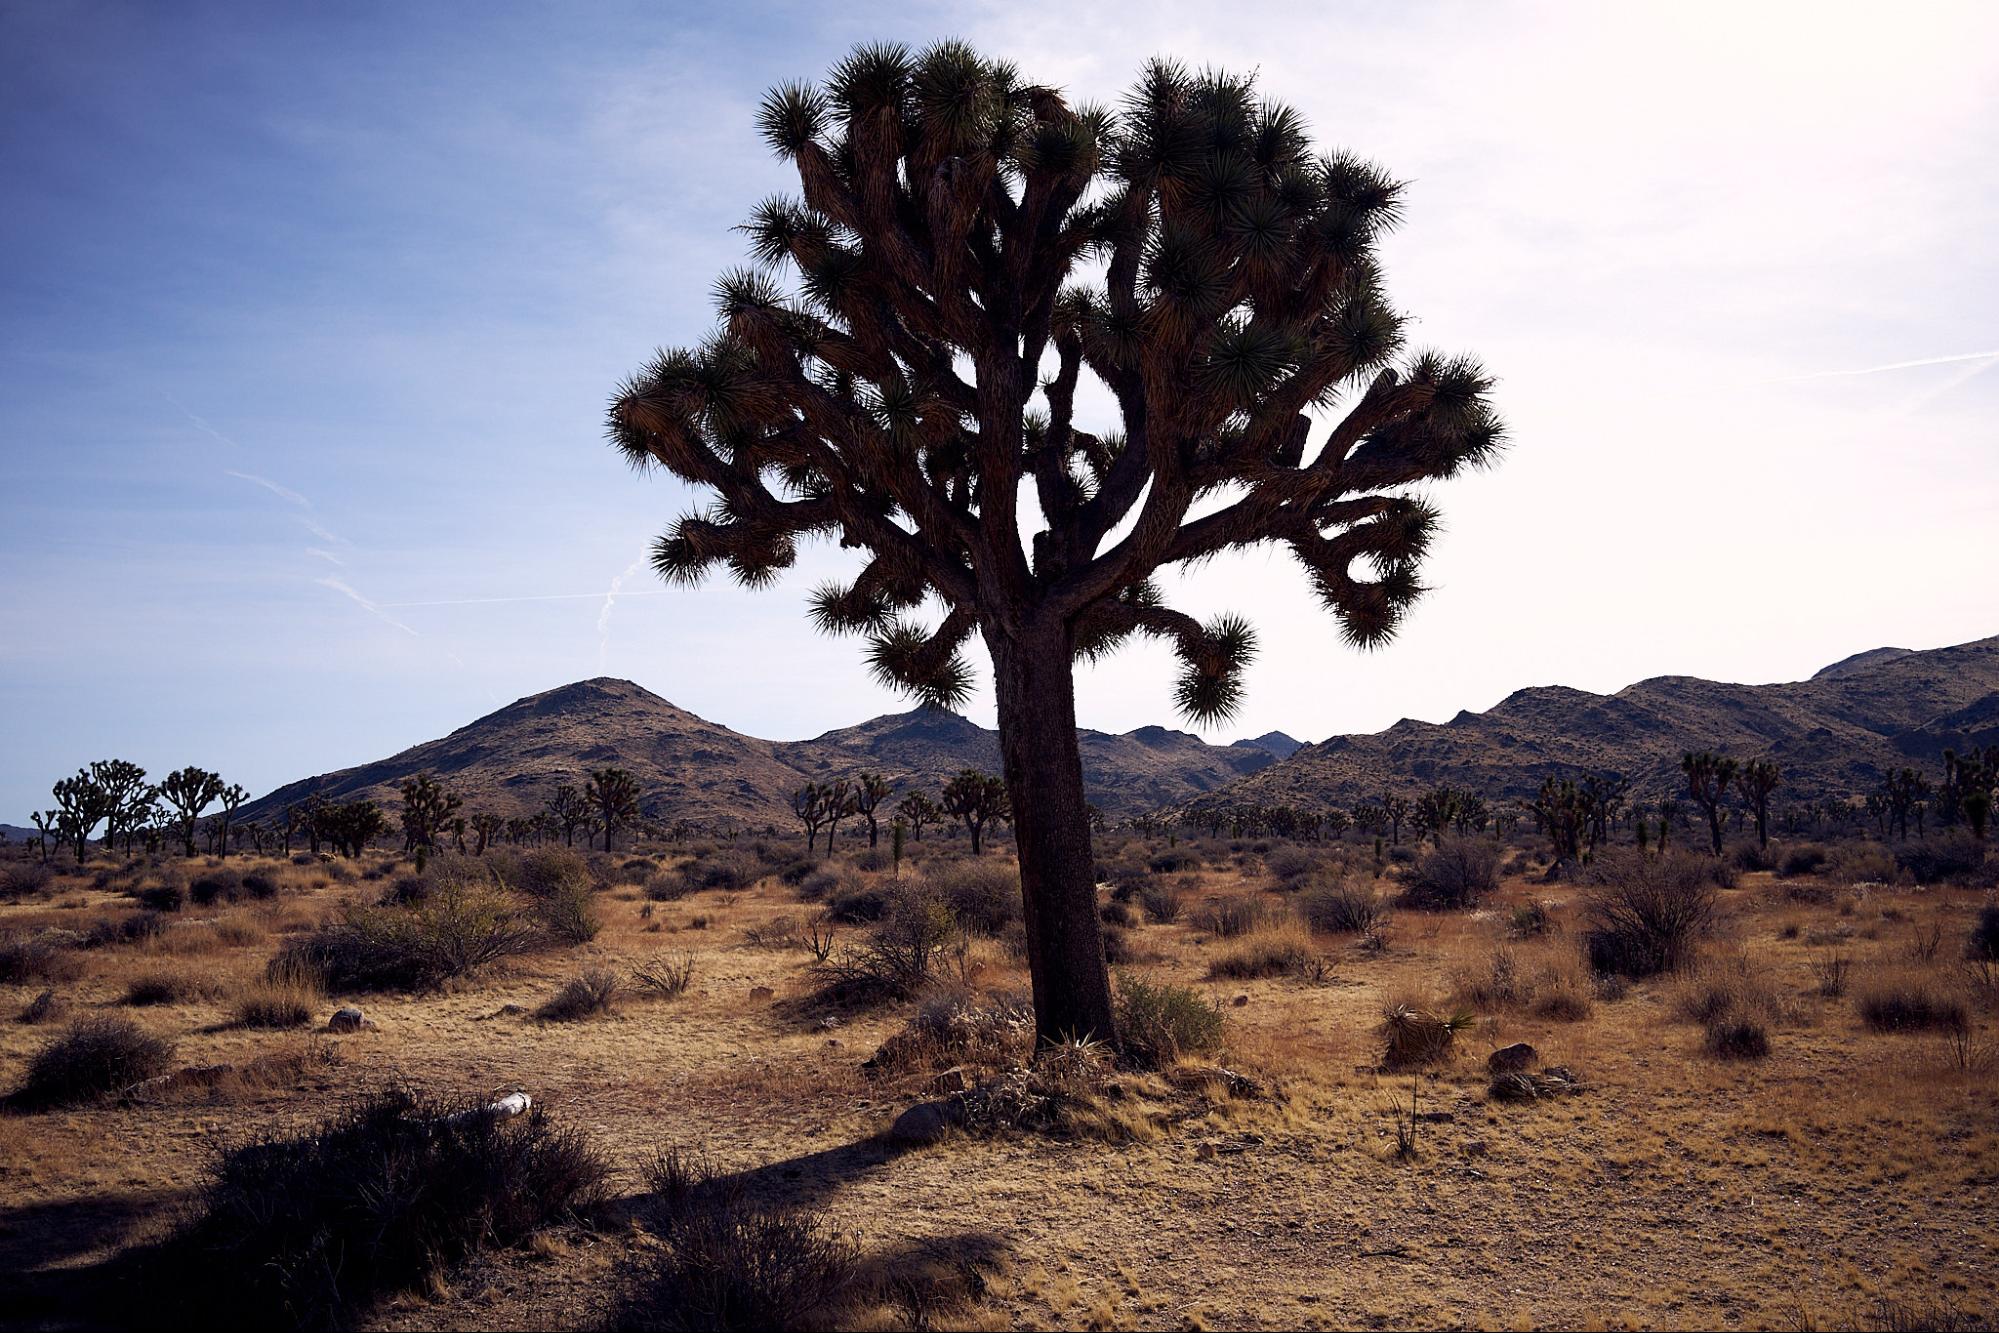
<point x="667" y="976"/>
<point x="1737" y="1038"/>
<point x="957" y="1026"/>
<point x="1908" y="1000"/>
<point x="133" y="928"/>
<point x="567" y="911"/>
<point x="984" y="895"/>
<point x="1498" y="986"/>
<point x="730" y="870"/>
<point x="24" y="878"/>
<point x="26" y="958"/>
<point x="1272" y="953"/>
<point x="1563" y="993"/>
<point x="727" y="1260"/>
<point x="46" y="1007"/>
<point x="93" y="1057"/>
<point x="1413" y="1036"/>
<point x="1732" y="985"/>
<point x="214" y="886"/>
<point x="159" y="987"/>
<point x="1343" y="908"/>
<point x="1292" y="866"/>
<point x="1454" y="874"/>
<point x="1829" y="973"/>
<point x="1864" y="863"/>
<point x="898" y="956"/>
<point x="586" y="996"/>
<point x="1644" y="914"/>
<point x="1530" y="920"/>
<point x="1805" y="858"/>
<point x="1159" y="1024"/>
<point x="1983" y="944"/>
<point x="1943" y="857"/>
<point x="1162" y="902"/>
<point x="1237" y="914"/>
<point x="287" y="998"/>
<point x="313" y="1231"/>
<point x="778" y="933"/>
<point x="545" y="871"/>
<point x="458" y="930"/>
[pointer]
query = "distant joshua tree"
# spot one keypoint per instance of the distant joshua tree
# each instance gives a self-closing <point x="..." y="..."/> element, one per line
<point x="976" y="799"/>
<point x="837" y="801"/>
<point x="570" y="809"/>
<point x="1708" y="777"/>
<point x="968" y="244"/>
<point x="917" y="810"/>
<point x="1397" y="810"/>
<point x="870" y="790"/>
<point x="486" y="826"/>
<point x="1902" y="793"/>
<point x="1757" y="781"/>
<point x="615" y="794"/>
<point x="809" y="804"/>
<point x="428" y="810"/>
<point x="189" y="791"/>
<point x="231" y="797"/>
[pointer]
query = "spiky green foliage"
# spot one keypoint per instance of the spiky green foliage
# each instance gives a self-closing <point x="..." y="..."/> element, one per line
<point x="904" y="358"/>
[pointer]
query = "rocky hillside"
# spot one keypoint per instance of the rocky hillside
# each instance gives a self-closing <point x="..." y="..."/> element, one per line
<point x="1834" y="733"/>
<point x="509" y="761"/>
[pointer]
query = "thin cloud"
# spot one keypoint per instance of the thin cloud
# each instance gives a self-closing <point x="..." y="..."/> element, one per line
<point x="1894" y="365"/>
<point x="320" y="531"/>
<point x="327" y="556"/>
<point x="533" y="597"/>
<point x="284" y="493"/>
<point x="346" y="590"/>
<point x="604" y="616"/>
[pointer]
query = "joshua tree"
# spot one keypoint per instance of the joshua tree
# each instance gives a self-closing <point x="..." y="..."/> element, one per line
<point x="1757" y="780"/>
<point x="428" y="810"/>
<point x="809" y="804"/>
<point x="80" y="805"/>
<point x="352" y="826"/>
<point x="231" y="797"/>
<point x="1562" y="811"/>
<point x="837" y="801"/>
<point x="977" y="799"/>
<point x="615" y="794"/>
<point x="1397" y="810"/>
<point x="870" y="790"/>
<point x="1708" y="776"/>
<point x="1967" y="790"/>
<point x="967" y="246"/>
<point x="1901" y="792"/>
<point x="1602" y="797"/>
<point x="571" y="809"/>
<point x="917" y="810"/>
<point x="124" y="794"/>
<point x="1435" y="811"/>
<point x="46" y="822"/>
<point x="486" y="826"/>
<point x="189" y="791"/>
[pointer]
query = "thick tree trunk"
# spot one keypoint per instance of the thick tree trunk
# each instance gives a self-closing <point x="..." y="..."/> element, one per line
<point x="1033" y="677"/>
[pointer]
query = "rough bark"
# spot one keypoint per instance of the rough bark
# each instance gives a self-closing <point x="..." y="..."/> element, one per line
<point x="1034" y="680"/>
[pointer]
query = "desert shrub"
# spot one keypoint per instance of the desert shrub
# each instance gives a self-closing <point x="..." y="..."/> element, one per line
<point x="1278" y="953"/>
<point x="1455" y="873"/>
<point x="25" y="877"/>
<point x="213" y="886"/>
<point x="1235" y="915"/>
<point x="1162" y="902"/>
<point x="728" y="1260"/>
<point x="1951" y="855"/>
<point x="794" y="872"/>
<point x="1343" y="908"/>
<point x="593" y="993"/>
<point x="569" y="912"/>
<point x="1173" y="861"/>
<point x="1725" y="989"/>
<point x="545" y="871"/>
<point x="25" y="958"/>
<point x="874" y="860"/>
<point x="853" y="902"/>
<point x="667" y="976"/>
<point x="1752" y="856"/>
<point x="1736" y="1037"/>
<point x="729" y="871"/>
<point x="1910" y="1002"/>
<point x="94" y="1056"/>
<point x="1413" y="1036"/>
<point x="161" y="898"/>
<point x="46" y="1007"/>
<point x="1864" y="863"/>
<point x="1562" y="994"/>
<point x="1983" y="945"/>
<point x="1160" y="1023"/>
<point x="151" y="988"/>
<point x="259" y="887"/>
<point x="314" y="1230"/>
<point x="899" y="955"/>
<point x="778" y="933"/>
<point x="1528" y="920"/>
<point x="1292" y="866"/>
<point x="133" y="928"/>
<point x="1498" y="985"/>
<point x="956" y="1026"/>
<point x="1117" y="946"/>
<point x="1830" y="973"/>
<point x="1645" y="915"/>
<point x="983" y="895"/>
<point x="1805" y="858"/>
<point x="398" y="948"/>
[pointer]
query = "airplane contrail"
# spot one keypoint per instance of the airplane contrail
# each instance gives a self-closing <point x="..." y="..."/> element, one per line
<point x="1895" y="365"/>
<point x="282" y="492"/>
<point x="604" y="616"/>
<point x="534" y="597"/>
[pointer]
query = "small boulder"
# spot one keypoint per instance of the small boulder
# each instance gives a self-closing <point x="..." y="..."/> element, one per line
<point x="346" y="1019"/>
<point x="1240" y="1001"/>
<point x="761" y="992"/>
<point x="925" y="1122"/>
<point x="1512" y="1059"/>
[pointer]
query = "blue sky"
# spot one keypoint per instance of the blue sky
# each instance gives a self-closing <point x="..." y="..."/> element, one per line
<point x="308" y="316"/>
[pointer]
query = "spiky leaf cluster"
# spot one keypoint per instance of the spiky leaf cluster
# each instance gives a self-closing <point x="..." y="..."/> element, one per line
<point x="904" y="356"/>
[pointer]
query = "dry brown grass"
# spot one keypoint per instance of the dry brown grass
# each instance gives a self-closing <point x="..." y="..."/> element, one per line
<point x="1840" y="1161"/>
